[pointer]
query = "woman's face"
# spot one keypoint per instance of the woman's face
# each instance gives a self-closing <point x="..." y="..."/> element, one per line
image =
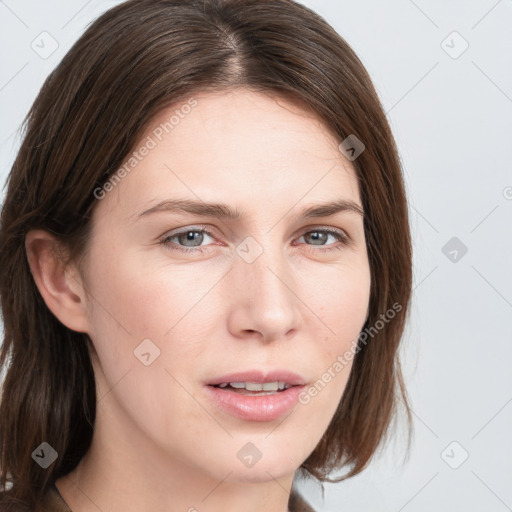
<point x="174" y="309"/>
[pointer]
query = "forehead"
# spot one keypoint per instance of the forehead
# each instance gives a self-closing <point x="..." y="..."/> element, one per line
<point x="244" y="116"/>
<point x="238" y="146"/>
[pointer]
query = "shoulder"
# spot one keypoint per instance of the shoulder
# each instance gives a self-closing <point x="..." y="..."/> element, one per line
<point x="51" y="502"/>
<point x="54" y="502"/>
<point x="297" y="503"/>
<point x="8" y="504"/>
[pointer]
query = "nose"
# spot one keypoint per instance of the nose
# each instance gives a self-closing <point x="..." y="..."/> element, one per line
<point x="263" y="298"/>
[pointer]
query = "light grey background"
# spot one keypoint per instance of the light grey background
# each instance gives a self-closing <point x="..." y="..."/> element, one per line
<point x="451" y="113"/>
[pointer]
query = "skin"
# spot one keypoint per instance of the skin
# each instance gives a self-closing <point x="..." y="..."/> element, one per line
<point x="159" y="443"/>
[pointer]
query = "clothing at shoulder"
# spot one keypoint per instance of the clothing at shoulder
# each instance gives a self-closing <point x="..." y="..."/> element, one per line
<point x="297" y="503"/>
<point x="8" y="504"/>
<point x="54" y="502"/>
<point x="13" y="507"/>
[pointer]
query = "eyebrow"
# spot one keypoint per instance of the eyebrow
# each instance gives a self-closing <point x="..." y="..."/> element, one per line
<point x="226" y="212"/>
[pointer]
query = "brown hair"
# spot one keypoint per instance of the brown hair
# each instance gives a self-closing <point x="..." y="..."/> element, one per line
<point x="133" y="61"/>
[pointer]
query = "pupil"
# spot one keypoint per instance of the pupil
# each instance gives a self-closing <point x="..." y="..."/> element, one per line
<point x="191" y="236"/>
<point x="318" y="236"/>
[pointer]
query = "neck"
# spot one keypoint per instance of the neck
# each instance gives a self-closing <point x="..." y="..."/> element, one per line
<point x="129" y="473"/>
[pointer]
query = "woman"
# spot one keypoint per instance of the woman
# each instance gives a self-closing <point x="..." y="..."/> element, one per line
<point x="205" y="265"/>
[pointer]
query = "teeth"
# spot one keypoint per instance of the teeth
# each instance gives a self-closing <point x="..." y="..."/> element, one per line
<point x="256" y="386"/>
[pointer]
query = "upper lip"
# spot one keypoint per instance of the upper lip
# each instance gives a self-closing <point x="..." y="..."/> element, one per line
<point x="260" y="377"/>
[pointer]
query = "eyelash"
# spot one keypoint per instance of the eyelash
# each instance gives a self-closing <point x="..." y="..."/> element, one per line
<point x="165" y="241"/>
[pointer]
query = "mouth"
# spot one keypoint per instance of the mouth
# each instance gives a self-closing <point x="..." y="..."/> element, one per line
<point x="256" y="395"/>
<point x="254" y="388"/>
<point x="257" y="381"/>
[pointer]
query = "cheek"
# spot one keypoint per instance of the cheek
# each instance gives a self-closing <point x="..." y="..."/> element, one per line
<point x="348" y="312"/>
<point x="343" y="306"/>
<point x="341" y="297"/>
<point x="133" y="292"/>
<point x="136" y="300"/>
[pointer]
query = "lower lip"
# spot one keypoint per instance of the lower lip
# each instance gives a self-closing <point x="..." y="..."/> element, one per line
<point x="253" y="407"/>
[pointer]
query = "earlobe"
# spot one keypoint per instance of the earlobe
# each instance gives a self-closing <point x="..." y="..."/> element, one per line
<point x="58" y="284"/>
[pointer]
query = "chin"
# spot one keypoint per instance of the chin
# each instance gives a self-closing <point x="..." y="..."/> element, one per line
<point x="261" y="474"/>
<point x="256" y="465"/>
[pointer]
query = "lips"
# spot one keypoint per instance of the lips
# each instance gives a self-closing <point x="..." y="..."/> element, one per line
<point x="256" y="406"/>
<point x="258" y="376"/>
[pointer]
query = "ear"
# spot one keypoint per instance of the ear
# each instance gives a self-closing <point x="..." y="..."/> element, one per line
<point x="60" y="286"/>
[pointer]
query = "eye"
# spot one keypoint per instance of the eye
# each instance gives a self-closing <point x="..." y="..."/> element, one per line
<point x="320" y="236"/>
<point x="191" y="240"/>
<point x="191" y="237"/>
